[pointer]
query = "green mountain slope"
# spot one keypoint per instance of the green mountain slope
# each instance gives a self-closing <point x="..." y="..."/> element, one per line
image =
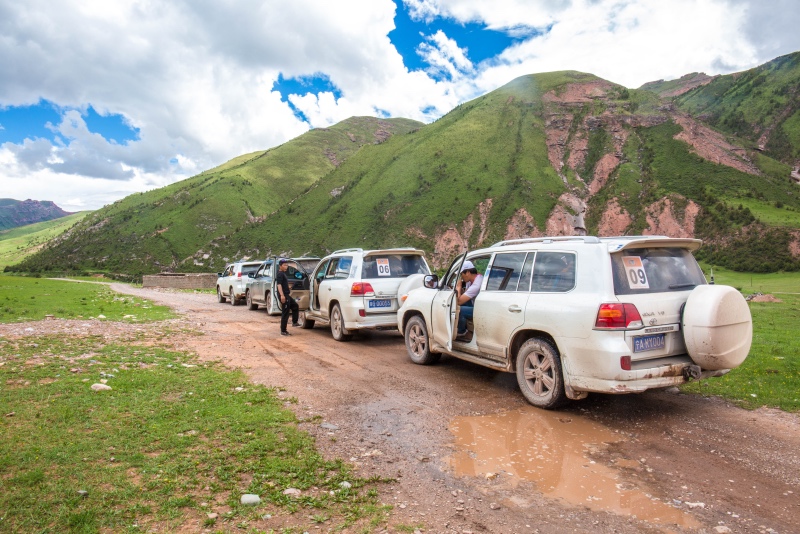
<point x="168" y="227"/>
<point x="18" y="243"/>
<point x="758" y="105"/>
<point x="547" y="154"/>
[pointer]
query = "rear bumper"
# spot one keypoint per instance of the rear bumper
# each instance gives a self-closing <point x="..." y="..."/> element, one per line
<point x="636" y="384"/>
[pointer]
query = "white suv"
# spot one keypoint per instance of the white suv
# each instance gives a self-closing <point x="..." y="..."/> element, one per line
<point x="572" y="315"/>
<point x="232" y="282"/>
<point x="355" y="289"/>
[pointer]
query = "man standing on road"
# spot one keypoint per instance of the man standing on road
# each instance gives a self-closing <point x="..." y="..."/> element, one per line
<point x="288" y="304"/>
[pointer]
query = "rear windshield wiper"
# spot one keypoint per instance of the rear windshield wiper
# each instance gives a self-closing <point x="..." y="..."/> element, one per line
<point x="681" y="286"/>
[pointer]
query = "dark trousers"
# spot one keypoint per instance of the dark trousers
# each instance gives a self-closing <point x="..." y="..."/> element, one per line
<point x="289" y="306"/>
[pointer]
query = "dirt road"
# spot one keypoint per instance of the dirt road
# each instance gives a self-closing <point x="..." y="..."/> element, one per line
<point x="469" y="455"/>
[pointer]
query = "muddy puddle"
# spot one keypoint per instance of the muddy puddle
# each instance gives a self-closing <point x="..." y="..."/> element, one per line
<point x="553" y="451"/>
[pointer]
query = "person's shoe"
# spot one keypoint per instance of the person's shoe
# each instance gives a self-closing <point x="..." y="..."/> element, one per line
<point x="295" y="324"/>
<point x="466" y="337"/>
<point x="285" y="333"/>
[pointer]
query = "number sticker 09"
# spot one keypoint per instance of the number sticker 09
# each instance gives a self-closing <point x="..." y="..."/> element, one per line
<point x="637" y="278"/>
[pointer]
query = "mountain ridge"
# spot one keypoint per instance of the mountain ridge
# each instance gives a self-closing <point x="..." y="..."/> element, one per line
<point x="552" y="153"/>
<point x="15" y="213"/>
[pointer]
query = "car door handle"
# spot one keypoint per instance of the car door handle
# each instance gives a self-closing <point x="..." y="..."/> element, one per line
<point x="514" y="308"/>
<point x="445" y="305"/>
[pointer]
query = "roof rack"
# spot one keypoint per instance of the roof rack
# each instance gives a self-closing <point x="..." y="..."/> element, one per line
<point x="584" y="238"/>
<point x="347" y="250"/>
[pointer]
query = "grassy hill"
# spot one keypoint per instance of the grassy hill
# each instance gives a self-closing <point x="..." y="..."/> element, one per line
<point x="171" y="227"/>
<point x="547" y="154"/>
<point x="18" y="243"/>
<point x="758" y="106"/>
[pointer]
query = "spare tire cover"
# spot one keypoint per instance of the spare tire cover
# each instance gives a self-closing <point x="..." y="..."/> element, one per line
<point x="717" y="327"/>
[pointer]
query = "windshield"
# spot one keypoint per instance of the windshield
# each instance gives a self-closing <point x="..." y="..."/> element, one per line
<point x="655" y="270"/>
<point x="393" y="266"/>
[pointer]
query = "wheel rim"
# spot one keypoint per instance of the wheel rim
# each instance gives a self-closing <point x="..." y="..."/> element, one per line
<point x="219" y="295"/>
<point x="268" y="300"/>
<point x="336" y="326"/>
<point x="540" y="374"/>
<point x="232" y="297"/>
<point x="417" y="340"/>
<point x="247" y="298"/>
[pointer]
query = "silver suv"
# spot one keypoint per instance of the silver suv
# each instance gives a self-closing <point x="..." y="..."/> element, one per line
<point x="572" y="315"/>
<point x="353" y="289"/>
<point x="232" y="282"/>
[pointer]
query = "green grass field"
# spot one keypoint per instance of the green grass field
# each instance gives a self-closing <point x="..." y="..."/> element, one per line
<point x="17" y="244"/>
<point x="30" y="299"/>
<point x="173" y="441"/>
<point x="770" y="376"/>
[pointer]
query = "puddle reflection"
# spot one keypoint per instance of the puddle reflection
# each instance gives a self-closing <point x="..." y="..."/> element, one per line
<point x="552" y="451"/>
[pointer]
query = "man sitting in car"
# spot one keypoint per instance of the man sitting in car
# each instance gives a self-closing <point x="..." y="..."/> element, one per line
<point x="466" y="290"/>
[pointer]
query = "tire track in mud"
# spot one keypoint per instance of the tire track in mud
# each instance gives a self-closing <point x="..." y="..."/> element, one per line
<point x="394" y="418"/>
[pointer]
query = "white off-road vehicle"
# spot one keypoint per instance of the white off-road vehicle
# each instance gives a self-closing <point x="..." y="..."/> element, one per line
<point x="573" y="315"/>
<point x="354" y="289"/>
<point x="232" y="282"/>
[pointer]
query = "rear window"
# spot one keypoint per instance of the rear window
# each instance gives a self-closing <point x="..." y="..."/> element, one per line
<point x="393" y="266"/>
<point x="655" y="270"/>
<point x="247" y="269"/>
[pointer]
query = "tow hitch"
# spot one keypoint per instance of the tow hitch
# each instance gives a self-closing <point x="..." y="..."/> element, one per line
<point x="691" y="372"/>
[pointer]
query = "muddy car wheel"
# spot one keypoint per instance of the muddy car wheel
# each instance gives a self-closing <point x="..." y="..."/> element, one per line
<point x="249" y="298"/>
<point x="418" y="343"/>
<point x="268" y="301"/>
<point x="340" y="333"/>
<point x="232" y="297"/>
<point x="539" y="374"/>
<point x="220" y="296"/>
<point x="305" y="322"/>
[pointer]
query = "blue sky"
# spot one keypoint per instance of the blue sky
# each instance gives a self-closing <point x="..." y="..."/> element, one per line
<point x="99" y="100"/>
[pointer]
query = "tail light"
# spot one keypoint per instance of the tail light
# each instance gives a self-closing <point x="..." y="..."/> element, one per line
<point x="615" y="315"/>
<point x="239" y="275"/>
<point x="359" y="289"/>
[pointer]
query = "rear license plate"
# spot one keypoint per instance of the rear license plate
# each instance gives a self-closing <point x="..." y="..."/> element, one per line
<point x="379" y="303"/>
<point x="645" y="343"/>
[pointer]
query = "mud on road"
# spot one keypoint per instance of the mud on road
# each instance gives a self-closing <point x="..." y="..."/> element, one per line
<point x="469" y="455"/>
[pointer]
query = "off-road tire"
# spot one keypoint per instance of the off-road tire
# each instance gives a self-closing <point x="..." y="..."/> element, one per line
<point x="539" y="374"/>
<point x="305" y="322"/>
<point x="232" y="297"/>
<point x="340" y="333"/>
<point x="220" y="297"/>
<point x="418" y="343"/>
<point x="249" y="299"/>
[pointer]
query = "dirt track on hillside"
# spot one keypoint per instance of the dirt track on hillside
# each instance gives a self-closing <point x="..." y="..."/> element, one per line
<point x="469" y="455"/>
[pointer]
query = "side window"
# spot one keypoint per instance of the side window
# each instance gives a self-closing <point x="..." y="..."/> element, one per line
<point x="527" y="272"/>
<point x="228" y="270"/>
<point x="331" y="270"/>
<point x="554" y="272"/>
<point x="339" y="268"/>
<point x="343" y="267"/>
<point x="505" y="272"/>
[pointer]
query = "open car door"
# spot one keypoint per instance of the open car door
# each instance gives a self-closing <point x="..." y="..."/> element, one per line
<point x="298" y="284"/>
<point x="444" y="308"/>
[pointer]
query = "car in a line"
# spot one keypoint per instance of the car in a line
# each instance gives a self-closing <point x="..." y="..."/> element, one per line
<point x="261" y="283"/>
<point x="232" y="282"/>
<point x="573" y="315"/>
<point x="355" y="289"/>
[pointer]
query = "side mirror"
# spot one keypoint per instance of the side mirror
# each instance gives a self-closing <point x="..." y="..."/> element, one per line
<point x="219" y="275"/>
<point x="431" y="281"/>
<point x="251" y="275"/>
